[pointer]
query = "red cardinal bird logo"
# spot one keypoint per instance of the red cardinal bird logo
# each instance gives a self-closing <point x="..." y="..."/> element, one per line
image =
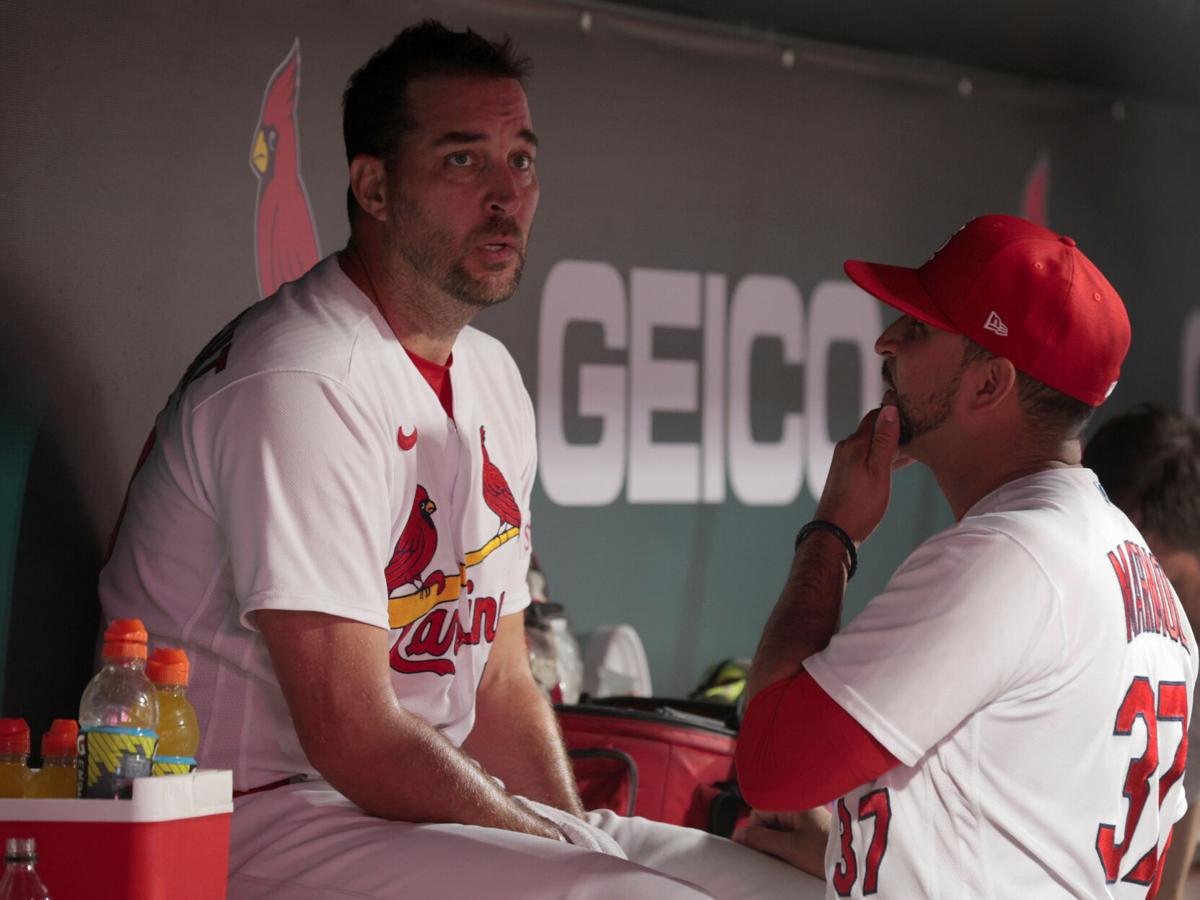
<point x="496" y="492"/>
<point x="414" y="550"/>
<point x="285" y="237"/>
<point x="1037" y="190"/>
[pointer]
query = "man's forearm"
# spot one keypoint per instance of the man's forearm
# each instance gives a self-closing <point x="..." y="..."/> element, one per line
<point x="807" y="613"/>
<point x="391" y="763"/>
<point x="854" y="498"/>
<point x="517" y="739"/>
<point x="410" y="772"/>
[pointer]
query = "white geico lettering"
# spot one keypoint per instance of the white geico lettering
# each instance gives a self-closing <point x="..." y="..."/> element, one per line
<point x="619" y="399"/>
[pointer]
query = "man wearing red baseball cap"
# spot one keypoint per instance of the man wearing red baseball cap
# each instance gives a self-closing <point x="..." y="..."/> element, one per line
<point x="1008" y="717"/>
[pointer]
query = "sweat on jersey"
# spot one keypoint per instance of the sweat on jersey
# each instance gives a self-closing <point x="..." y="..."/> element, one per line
<point x="304" y="463"/>
<point x="1032" y="670"/>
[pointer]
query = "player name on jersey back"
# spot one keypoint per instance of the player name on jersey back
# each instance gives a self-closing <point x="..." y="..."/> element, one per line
<point x="1150" y="603"/>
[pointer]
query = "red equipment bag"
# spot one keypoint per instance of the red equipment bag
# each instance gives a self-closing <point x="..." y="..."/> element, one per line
<point x="667" y="760"/>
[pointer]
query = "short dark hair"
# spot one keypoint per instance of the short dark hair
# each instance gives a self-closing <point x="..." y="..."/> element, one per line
<point x="1148" y="461"/>
<point x="375" y="110"/>
<point x="1049" y="412"/>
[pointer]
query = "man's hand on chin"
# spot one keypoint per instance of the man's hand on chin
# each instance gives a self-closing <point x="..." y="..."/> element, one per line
<point x="798" y="838"/>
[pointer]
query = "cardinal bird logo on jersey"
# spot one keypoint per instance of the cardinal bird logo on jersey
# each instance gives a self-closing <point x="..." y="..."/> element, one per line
<point x="435" y="626"/>
<point x="496" y="492"/>
<point x="285" y="237"/>
<point x="415" y="549"/>
<point x="1037" y="190"/>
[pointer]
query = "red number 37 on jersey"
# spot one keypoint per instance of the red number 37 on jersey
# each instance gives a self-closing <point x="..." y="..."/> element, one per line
<point x="1166" y="705"/>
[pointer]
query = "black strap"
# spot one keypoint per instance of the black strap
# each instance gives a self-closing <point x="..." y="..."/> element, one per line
<point x="620" y="755"/>
<point x="822" y="525"/>
<point x="727" y="807"/>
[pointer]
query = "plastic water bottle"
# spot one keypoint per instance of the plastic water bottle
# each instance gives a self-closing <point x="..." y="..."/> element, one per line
<point x="21" y="881"/>
<point x="14" y="757"/>
<point x="118" y="716"/>
<point x="178" y="731"/>
<point x="57" y="779"/>
<point x="554" y="654"/>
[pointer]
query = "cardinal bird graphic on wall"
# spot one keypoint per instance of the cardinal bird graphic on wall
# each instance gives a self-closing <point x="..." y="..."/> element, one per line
<point x="496" y="492"/>
<point x="285" y="236"/>
<point x="414" y="551"/>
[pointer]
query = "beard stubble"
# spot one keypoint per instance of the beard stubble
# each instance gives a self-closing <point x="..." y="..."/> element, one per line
<point x="435" y="255"/>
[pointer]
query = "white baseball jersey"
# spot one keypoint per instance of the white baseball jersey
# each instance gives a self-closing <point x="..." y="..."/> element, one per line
<point x="305" y="464"/>
<point x="1032" y="670"/>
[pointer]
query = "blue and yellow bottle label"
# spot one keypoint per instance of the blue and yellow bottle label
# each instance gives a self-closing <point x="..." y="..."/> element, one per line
<point x="111" y="757"/>
<point x="174" y="765"/>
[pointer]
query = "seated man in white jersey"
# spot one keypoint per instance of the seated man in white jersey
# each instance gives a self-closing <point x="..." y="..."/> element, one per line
<point x="1008" y="718"/>
<point x="333" y="521"/>
<point x="1148" y="462"/>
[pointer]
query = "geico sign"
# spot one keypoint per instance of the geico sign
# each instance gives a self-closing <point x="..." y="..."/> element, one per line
<point x="624" y="397"/>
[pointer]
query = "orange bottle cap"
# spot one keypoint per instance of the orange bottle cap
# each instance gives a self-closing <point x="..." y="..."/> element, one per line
<point x="125" y="638"/>
<point x="14" y="736"/>
<point x="61" y="739"/>
<point x="168" y="665"/>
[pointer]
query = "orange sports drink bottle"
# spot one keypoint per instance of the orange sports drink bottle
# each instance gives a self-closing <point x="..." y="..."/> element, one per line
<point x="14" y="757"/>
<point x="57" y="779"/>
<point x="178" y="731"/>
<point x="118" y="716"/>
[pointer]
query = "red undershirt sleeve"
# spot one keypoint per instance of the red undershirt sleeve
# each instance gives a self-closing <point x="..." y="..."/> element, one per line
<point x="798" y="749"/>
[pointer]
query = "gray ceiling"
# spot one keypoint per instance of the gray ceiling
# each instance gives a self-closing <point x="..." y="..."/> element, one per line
<point x="1143" y="48"/>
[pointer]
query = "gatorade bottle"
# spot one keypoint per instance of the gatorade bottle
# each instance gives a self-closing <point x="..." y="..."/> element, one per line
<point x="178" y="732"/>
<point x="14" y="757"/>
<point x="56" y="779"/>
<point x="118" y="716"/>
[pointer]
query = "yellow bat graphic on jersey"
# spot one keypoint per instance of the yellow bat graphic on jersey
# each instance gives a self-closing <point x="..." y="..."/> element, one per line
<point x="407" y="608"/>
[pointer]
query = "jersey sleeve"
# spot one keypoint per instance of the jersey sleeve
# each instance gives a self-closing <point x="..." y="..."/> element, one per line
<point x="290" y="470"/>
<point x="969" y="616"/>
<point x="797" y="749"/>
<point x="518" y="597"/>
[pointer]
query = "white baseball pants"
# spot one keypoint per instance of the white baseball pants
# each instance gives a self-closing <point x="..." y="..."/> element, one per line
<point x="306" y="841"/>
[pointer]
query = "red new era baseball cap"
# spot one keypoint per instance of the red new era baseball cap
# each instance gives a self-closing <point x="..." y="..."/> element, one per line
<point x="1022" y="292"/>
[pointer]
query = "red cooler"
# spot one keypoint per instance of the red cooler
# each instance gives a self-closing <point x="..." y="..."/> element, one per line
<point x="170" y="841"/>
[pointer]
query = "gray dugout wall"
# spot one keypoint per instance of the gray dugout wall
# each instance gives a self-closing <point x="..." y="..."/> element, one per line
<point x="684" y="326"/>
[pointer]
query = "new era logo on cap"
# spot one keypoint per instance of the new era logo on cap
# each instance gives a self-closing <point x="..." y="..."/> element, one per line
<point x="996" y="324"/>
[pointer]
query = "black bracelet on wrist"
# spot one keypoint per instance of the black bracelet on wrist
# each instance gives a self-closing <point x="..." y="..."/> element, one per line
<point x="822" y="525"/>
